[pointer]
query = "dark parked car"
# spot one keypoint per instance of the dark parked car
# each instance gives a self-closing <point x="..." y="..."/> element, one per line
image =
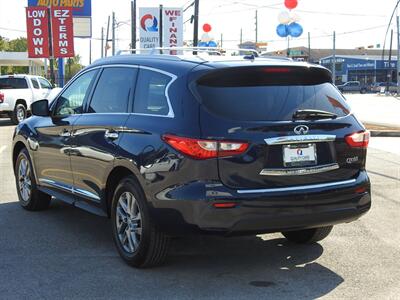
<point x="353" y="86"/>
<point x="167" y="145"/>
<point x="379" y="87"/>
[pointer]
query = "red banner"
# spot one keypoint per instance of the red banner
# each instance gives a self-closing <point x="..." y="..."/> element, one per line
<point x="37" y="20"/>
<point x="63" y="34"/>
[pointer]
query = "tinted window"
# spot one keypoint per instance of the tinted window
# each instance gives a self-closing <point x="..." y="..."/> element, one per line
<point x="265" y="102"/>
<point x="35" y="83"/>
<point x="13" y="83"/>
<point x="113" y="90"/>
<point x="150" y="93"/>
<point x="45" y="84"/>
<point x="71" y="100"/>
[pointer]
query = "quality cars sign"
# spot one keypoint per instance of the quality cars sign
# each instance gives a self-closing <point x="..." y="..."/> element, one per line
<point x="149" y="27"/>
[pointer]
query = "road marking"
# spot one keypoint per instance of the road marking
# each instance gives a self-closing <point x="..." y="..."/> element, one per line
<point x="2" y="148"/>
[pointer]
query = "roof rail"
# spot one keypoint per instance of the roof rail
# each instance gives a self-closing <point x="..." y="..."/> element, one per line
<point x="209" y="50"/>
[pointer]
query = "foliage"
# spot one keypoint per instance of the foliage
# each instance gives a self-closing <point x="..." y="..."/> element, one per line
<point x="16" y="45"/>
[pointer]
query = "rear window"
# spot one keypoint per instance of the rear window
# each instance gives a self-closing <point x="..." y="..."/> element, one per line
<point x="269" y="93"/>
<point x="13" y="83"/>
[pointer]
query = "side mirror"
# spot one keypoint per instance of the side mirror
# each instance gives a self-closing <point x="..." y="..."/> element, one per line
<point x="40" y="108"/>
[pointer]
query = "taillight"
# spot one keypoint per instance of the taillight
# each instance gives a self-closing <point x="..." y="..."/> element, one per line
<point x="204" y="149"/>
<point x="1" y="97"/>
<point x="358" y="139"/>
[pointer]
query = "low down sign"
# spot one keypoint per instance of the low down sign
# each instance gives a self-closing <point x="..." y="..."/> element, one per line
<point x="38" y="32"/>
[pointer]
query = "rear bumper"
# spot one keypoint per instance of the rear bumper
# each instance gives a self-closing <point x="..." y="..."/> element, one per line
<point x="189" y="208"/>
<point x="5" y="107"/>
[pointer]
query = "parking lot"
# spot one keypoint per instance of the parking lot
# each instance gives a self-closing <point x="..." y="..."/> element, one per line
<point x="67" y="253"/>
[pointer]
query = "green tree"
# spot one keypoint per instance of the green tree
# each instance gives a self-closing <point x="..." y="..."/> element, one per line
<point x="73" y="66"/>
<point x="16" y="45"/>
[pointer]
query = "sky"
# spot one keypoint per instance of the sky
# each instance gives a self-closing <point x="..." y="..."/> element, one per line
<point x="356" y="22"/>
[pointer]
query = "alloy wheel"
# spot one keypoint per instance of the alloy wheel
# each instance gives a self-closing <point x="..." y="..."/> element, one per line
<point x="24" y="180"/>
<point x="129" y="222"/>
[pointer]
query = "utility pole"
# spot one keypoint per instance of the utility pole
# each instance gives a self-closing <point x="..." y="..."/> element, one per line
<point x="160" y="29"/>
<point x="241" y="36"/>
<point x="398" y="55"/>
<point x="222" y="39"/>
<point x="334" y="58"/>
<point x="107" y="35"/>
<point x="90" y="51"/>
<point x="196" y="24"/>
<point x="113" y="33"/>
<point x="133" y="24"/>
<point x="102" y="42"/>
<point x="309" y="48"/>
<point x="389" y="72"/>
<point x="52" y="76"/>
<point x="256" y="26"/>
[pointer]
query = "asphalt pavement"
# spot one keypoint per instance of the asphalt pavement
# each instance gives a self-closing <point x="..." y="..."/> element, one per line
<point x="67" y="253"/>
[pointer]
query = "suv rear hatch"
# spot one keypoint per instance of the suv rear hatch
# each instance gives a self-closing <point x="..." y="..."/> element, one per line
<point x="295" y="121"/>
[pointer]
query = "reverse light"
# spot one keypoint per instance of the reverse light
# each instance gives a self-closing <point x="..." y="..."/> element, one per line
<point x="358" y="139"/>
<point x="205" y="149"/>
<point x="1" y="97"/>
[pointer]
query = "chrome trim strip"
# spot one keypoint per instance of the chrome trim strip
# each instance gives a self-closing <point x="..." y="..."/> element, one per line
<point x="71" y="190"/>
<point x="295" y="139"/>
<point x="299" y="171"/>
<point x="298" y="188"/>
<point x="55" y="184"/>
<point x="86" y="194"/>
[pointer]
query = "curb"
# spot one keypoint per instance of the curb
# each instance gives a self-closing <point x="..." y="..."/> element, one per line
<point x="385" y="133"/>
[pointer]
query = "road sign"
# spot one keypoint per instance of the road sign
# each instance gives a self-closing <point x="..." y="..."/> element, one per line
<point x="37" y="21"/>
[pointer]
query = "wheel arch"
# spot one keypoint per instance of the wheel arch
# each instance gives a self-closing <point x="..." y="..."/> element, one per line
<point x="113" y="179"/>
<point x="16" y="150"/>
<point x="21" y="101"/>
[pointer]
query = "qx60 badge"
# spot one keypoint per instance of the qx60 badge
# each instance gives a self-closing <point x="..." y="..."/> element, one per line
<point x="301" y="129"/>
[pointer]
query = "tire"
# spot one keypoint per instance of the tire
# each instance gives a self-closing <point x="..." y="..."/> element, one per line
<point x="29" y="196"/>
<point x="139" y="243"/>
<point x="363" y="91"/>
<point x="19" y="114"/>
<point x="308" y="236"/>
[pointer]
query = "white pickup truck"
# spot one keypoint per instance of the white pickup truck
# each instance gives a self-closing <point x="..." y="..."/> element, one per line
<point x="18" y="92"/>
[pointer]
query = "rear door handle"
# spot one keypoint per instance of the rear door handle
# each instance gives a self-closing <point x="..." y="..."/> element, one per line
<point x="111" y="135"/>
<point x="65" y="133"/>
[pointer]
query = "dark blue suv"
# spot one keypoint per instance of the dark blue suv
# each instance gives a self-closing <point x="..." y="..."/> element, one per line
<point x="172" y="145"/>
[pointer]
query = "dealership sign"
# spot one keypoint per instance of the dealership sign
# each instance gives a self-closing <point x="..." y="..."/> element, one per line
<point x="149" y="27"/>
<point x="63" y="35"/>
<point x="172" y="28"/>
<point x="37" y="19"/>
<point x="81" y="12"/>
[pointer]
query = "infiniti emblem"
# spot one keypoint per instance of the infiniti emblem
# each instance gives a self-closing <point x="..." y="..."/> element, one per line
<point x="301" y="129"/>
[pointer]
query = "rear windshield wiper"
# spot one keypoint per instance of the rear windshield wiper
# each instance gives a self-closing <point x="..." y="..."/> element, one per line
<point x="305" y="114"/>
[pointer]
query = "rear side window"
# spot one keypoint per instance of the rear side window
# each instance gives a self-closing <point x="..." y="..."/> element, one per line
<point x="150" y="97"/>
<point x="268" y="94"/>
<point x="113" y="90"/>
<point x="45" y="84"/>
<point x="35" y="83"/>
<point x="13" y="83"/>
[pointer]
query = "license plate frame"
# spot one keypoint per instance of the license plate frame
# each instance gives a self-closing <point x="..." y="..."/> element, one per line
<point x="299" y="155"/>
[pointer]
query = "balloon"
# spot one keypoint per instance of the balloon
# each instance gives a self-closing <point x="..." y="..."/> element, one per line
<point x="206" y="37"/>
<point x="282" y="30"/>
<point x="207" y="27"/>
<point x="295" y="29"/>
<point x="291" y="4"/>
<point x="294" y="17"/>
<point x="212" y="44"/>
<point x="284" y="17"/>
<point x="202" y="44"/>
